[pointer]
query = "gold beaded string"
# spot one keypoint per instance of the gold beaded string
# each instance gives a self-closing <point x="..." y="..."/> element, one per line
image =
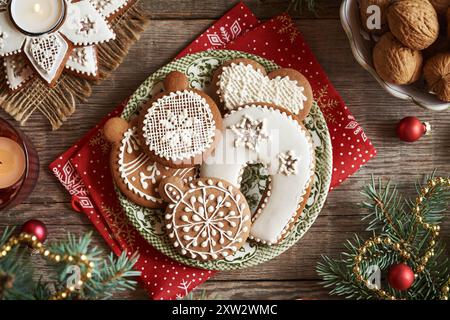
<point x="401" y="247"/>
<point x="31" y="240"/>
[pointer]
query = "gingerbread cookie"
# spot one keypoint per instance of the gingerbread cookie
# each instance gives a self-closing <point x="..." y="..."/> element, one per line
<point x="243" y="81"/>
<point x="268" y="135"/>
<point x="180" y="126"/>
<point x="136" y="176"/>
<point x="207" y="219"/>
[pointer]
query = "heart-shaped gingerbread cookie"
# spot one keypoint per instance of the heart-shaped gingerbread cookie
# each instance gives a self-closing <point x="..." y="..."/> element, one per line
<point x="243" y="81"/>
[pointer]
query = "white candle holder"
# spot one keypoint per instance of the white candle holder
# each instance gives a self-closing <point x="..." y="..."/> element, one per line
<point x="21" y="21"/>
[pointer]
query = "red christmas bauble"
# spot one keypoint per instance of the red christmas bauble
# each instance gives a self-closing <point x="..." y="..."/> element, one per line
<point x="36" y="228"/>
<point x="411" y="129"/>
<point x="400" y="277"/>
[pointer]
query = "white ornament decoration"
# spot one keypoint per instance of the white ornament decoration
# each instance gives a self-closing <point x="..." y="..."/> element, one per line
<point x="83" y="28"/>
<point x="83" y="60"/>
<point x="85" y="25"/>
<point x="179" y="126"/>
<point x="109" y="7"/>
<point x="250" y="133"/>
<point x="209" y="220"/>
<point x="240" y="84"/>
<point x="13" y="42"/>
<point x="288" y="163"/>
<point x="46" y="54"/>
<point x="17" y="71"/>
<point x="153" y="174"/>
<point x="278" y="209"/>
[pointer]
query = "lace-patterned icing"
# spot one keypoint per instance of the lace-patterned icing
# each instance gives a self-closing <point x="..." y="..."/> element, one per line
<point x="240" y="84"/>
<point x="179" y="126"/>
<point x="17" y="71"/>
<point x="83" y="60"/>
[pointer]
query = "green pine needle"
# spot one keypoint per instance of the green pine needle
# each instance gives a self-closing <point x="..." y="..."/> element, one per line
<point x="389" y="215"/>
<point x="110" y="275"/>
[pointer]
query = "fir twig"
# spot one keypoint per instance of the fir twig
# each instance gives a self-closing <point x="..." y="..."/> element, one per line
<point x="390" y="216"/>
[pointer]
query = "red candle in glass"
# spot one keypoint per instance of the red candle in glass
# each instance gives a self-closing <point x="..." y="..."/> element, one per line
<point x="19" y="166"/>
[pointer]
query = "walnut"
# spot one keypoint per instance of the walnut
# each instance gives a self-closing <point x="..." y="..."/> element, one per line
<point x="414" y="23"/>
<point x="383" y="4"/>
<point x="437" y="75"/>
<point x="396" y="63"/>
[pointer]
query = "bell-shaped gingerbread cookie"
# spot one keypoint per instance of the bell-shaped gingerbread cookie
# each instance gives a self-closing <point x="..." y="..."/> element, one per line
<point x="180" y="126"/>
<point x="134" y="173"/>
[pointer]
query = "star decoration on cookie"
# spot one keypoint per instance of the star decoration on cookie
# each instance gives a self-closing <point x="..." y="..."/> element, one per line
<point x="87" y="26"/>
<point x="250" y="132"/>
<point x="288" y="163"/>
<point x="72" y="46"/>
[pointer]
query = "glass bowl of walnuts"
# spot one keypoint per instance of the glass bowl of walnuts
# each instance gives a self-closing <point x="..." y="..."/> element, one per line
<point x="404" y="45"/>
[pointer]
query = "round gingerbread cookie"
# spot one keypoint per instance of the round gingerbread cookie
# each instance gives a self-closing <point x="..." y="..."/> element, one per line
<point x="134" y="173"/>
<point x="267" y="135"/>
<point x="180" y="127"/>
<point x="207" y="219"/>
<point x="243" y="81"/>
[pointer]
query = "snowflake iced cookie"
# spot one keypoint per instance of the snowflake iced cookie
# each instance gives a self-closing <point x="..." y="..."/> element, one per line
<point x="136" y="176"/>
<point x="180" y="126"/>
<point x="207" y="219"/>
<point x="271" y="136"/>
<point x="243" y="81"/>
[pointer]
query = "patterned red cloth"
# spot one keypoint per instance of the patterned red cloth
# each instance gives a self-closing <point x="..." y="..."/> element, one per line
<point x="85" y="174"/>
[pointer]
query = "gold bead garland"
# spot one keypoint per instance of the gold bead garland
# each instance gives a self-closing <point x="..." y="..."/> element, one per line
<point x="402" y="247"/>
<point x="31" y="240"/>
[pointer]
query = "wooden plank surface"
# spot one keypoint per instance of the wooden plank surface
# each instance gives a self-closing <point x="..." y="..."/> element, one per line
<point x="292" y="275"/>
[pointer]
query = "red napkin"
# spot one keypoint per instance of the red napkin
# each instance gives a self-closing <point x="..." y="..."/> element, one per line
<point x="85" y="174"/>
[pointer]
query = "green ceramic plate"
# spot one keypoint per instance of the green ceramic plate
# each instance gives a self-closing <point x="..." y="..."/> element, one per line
<point x="199" y="68"/>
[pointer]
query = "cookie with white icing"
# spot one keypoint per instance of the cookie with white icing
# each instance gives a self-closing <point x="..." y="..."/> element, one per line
<point x="83" y="61"/>
<point x="17" y="71"/>
<point x="208" y="219"/>
<point x="180" y="126"/>
<point x="267" y="135"/>
<point x="134" y="173"/>
<point x="243" y="81"/>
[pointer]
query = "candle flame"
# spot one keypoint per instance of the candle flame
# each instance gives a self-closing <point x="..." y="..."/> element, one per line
<point x="37" y="8"/>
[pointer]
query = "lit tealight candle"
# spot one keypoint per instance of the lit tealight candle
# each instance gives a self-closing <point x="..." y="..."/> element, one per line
<point x="12" y="162"/>
<point x="36" y="17"/>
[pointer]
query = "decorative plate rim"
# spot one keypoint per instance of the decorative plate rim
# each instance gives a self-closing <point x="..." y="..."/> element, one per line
<point x="261" y="253"/>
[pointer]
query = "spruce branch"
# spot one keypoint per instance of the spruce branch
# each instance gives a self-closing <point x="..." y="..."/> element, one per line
<point x="410" y="226"/>
<point x="108" y="275"/>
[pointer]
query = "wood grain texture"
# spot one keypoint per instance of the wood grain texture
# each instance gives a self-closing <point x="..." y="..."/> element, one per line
<point x="292" y="275"/>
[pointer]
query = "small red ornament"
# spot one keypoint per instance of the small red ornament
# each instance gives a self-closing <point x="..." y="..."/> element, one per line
<point x="36" y="228"/>
<point x="400" y="277"/>
<point x="411" y="129"/>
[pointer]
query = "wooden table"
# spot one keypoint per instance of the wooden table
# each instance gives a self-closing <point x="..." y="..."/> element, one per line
<point x="174" y="24"/>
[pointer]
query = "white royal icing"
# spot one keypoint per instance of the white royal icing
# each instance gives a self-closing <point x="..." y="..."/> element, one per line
<point x="141" y="175"/>
<point x="215" y="213"/>
<point x="17" y="71"/>
<point x="11" y="39"/>
<point x="83" y="60"/>
<point x="179" y="126"/>
<point x="46" y="53"/>
<point x="85" y="25"/>
<point x="288" y="155"/>
<point x="109" y="7"/>
<point x="240" y="84"/>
